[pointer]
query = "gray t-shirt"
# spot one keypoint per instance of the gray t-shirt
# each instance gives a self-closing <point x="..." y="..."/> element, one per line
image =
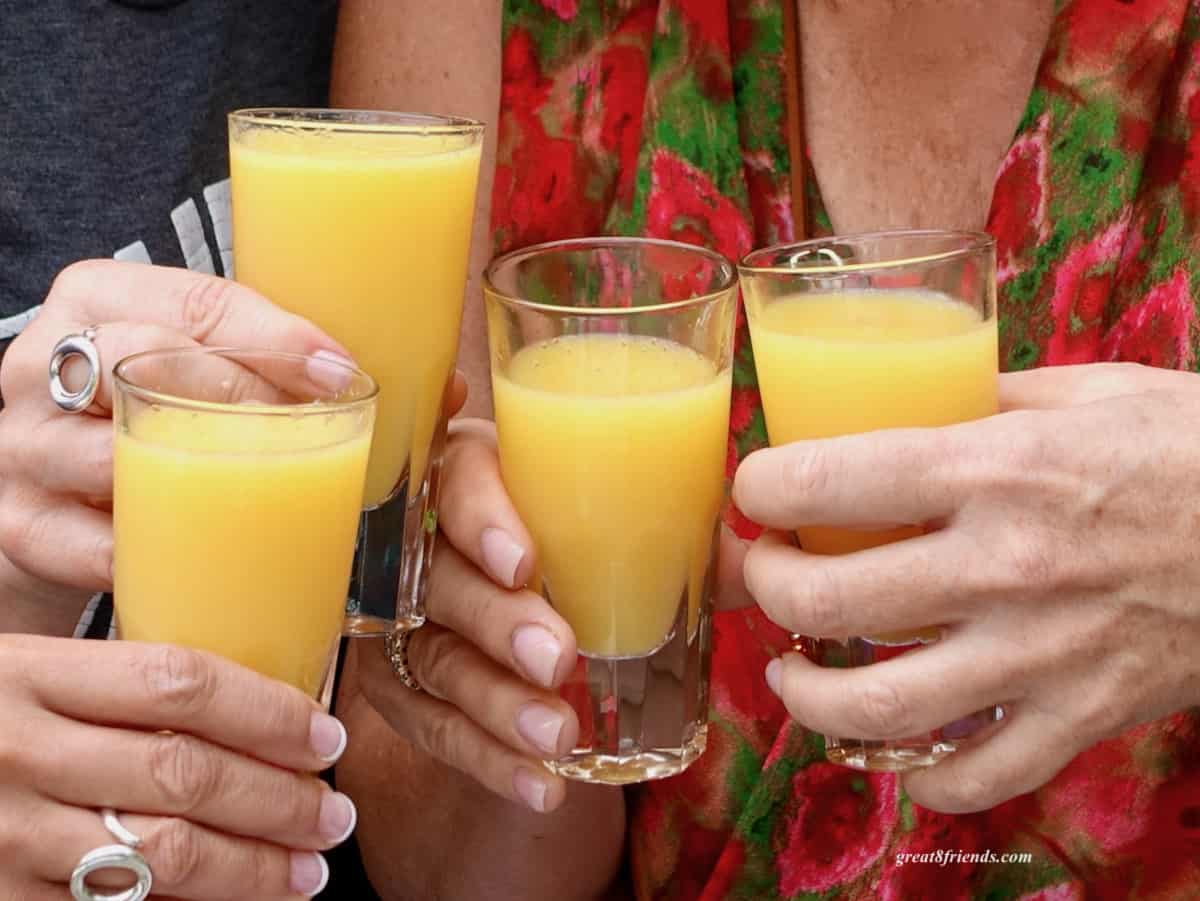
<point x="112" y="125"/>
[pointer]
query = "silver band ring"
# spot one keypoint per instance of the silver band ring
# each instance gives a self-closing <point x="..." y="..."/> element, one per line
<point x="112" y="857"/>
<point x="396" y="646"/>
<point x="117" y="829"/>
<point x="75" y="346"/>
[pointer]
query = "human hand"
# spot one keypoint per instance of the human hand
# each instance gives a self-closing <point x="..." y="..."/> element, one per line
<point x="56" y="469"/>
<point x="209" y="763"/>
<point x="1062" y="567"/>
<point x="492" y="655"/>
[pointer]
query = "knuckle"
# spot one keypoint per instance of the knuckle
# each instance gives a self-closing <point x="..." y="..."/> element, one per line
<point x="817" y="604"/>
<point x="184" y="774"/>
<point x="74" y="280"/>
<point x="1030" y="445"/>
<point x="177" y="679"/>
<point x="205" y="304"/>
<point x="265" y="869"/>
<point x="14" y="757"/>
<point x="880" y="711"/>
<point x="174" y="852"/>
<point x="965" y="793"/>
<point x="14" y="529"/>
<point x="440" y="659"/>
<point x="803" y="473"/>
<point x="443" y="737"/>
<point x="1033" y="562"/>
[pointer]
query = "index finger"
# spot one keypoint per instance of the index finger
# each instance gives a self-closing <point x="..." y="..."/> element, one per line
<point x="168" y="688"/>
<point x="207" y="309"/>
<point x="476" y="513"/>
<point x="895" y="476"/>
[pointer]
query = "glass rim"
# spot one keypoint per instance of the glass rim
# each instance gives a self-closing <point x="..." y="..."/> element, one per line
<point x="972" y="243"/>
<point x="305" y="408"/>
<point x="358" y="121"/>
<point x="728" y="282"/>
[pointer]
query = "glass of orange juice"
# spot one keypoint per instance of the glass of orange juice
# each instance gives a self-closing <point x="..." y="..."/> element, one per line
<point x="238" y="480"/>
<point x="360" y="221"/>
<point x="878" y="331"/>
<point x="611" y="373"/>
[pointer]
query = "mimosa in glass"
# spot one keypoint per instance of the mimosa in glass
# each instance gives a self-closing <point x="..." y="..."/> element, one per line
<point x="856" y="334"/>
<point x="238" y="479"/>
<point x="611" y="378"/>
<point x="361" y="223"/>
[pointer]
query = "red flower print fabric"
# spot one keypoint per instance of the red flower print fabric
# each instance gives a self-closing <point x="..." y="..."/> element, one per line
<point x="667" y="118"/>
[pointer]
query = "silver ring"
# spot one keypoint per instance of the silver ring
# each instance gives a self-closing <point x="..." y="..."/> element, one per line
<point x="396" y="646"/>
<point x="75" y="346"/>
<point x="112" y="857"/>
<point x="117" y="829"/>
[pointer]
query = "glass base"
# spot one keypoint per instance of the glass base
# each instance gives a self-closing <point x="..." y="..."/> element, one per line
<point x="897" y="755"/>
<point x="638" y="766"/>
<point x="394" y="553"/>
<point x="643" y="717"/>
<point x="885" y="757"/>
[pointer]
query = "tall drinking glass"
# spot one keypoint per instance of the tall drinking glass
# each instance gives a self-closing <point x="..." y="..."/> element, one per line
<point x="361" y="222"/>
<point x="611" y="377"/>
<point x="877" y="331"/>
<point x="238" y="479"/>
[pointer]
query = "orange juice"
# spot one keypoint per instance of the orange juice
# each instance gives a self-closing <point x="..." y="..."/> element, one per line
<point x="235" y="533"/>
<point x="848" y="362"/>
<point x="366" y="234"/>
<point x="613" y="449"/>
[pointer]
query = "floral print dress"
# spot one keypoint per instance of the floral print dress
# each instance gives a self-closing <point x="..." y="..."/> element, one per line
<point x="666" y="118"/>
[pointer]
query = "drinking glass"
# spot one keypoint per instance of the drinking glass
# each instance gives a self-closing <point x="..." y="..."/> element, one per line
<point x="611" y="363"/>
<point x="361" y="222"/>
<point x="877" y="331"/>
<point x="238" y="479"/>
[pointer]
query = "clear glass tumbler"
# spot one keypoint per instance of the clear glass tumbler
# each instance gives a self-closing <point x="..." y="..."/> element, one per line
<point x="361" y="222"/>
<point x="879" y="331"/>
<point x="611" y="372"/>
<point x="238" y="479"/>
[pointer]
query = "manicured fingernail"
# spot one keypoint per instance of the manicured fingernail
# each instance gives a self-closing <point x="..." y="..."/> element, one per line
<point x="327" y="737"/>
<point x="537" y="651"/>
<point x="530" y="789"/>
<point x="501" y="555"/>
<point x="331" y="371"/>
<point x="310" y="874"/>
<point x="540" y="726"/>
<point x="774" y="673"/>
<point x="338" y="818"/>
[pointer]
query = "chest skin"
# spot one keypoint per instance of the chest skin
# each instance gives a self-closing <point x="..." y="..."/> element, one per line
<point x="911" y="104"/>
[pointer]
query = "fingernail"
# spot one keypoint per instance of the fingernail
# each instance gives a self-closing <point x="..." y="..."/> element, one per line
<point x="331" y="371"/>
<point x="501" y="556"/>
<point x="530" y="789"/>
<point x="310" y="874"/>
<point x="328" y="737"/>
<point x="338" y="818"/>
<point x="540" y="726"/>
<point x="774" y="673"/>
<point x="537" y="651"/>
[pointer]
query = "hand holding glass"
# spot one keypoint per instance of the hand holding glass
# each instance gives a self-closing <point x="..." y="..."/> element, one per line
<point x="611" y="376"/>
<point x="890" y="330"/>
<point x="238" y="480"/>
